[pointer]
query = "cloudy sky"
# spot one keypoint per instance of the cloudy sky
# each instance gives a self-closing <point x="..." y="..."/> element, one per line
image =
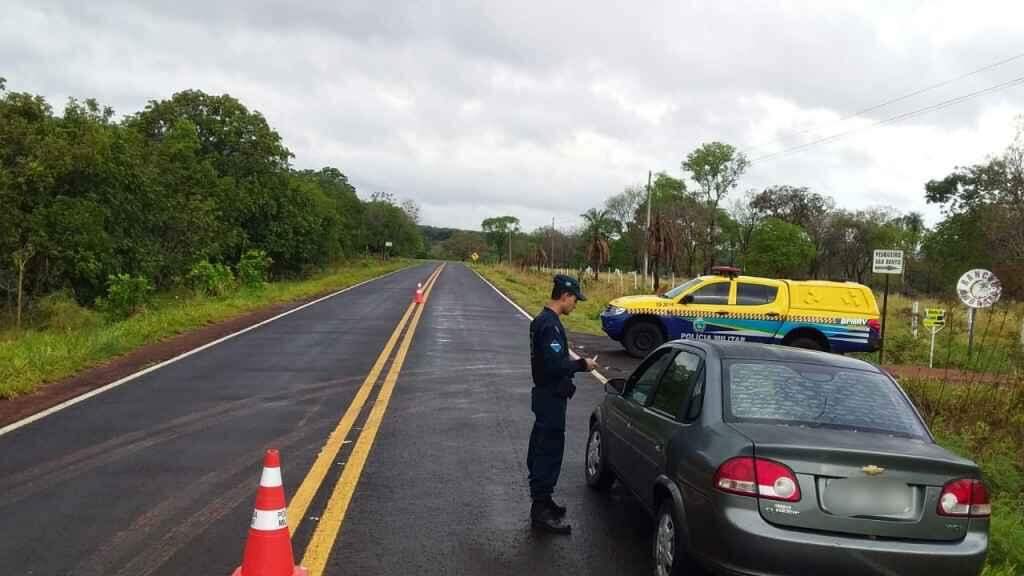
<point x="543" y="109"/>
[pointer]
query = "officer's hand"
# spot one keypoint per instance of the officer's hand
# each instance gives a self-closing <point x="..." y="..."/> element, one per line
<point x="591" y="363"/>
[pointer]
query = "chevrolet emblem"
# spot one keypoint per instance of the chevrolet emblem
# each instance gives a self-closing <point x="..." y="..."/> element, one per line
<point x="872" y="470"/>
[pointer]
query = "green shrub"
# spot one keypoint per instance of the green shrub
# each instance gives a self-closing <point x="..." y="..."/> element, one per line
<point x="254" y="268"/>
<point x="126" y="295"/>
<point x="211" y="279"/>
<point x="60" y="311"/>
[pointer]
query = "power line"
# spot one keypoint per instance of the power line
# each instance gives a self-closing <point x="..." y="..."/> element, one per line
<point x="891" y="119"/>
<point x="930" y="88"/>
<point x="920" y="91"/>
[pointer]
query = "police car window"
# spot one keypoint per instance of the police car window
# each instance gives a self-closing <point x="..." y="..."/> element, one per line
<point x="678" y="290"/>
<point x="717" y="293"/>
<point x="676" y="385"/>
<point x="755" y="294"/>
<point x="643" y="382"/>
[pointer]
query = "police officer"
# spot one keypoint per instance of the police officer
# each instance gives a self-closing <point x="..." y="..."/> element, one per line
<point x="553" y="371"/>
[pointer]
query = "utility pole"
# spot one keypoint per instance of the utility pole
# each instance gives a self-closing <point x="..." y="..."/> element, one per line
<point x="552" y="256"/>
<point x="647" y="229"/>
<point x="510" y="246"/>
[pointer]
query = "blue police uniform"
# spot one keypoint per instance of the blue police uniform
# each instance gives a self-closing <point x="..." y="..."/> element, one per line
<point x="553" y="371"/>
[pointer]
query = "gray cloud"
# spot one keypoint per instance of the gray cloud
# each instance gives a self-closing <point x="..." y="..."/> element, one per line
<point x="476" y="109"/>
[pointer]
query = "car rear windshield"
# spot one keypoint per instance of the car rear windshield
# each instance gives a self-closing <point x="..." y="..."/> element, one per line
<point x="814" y="395"/>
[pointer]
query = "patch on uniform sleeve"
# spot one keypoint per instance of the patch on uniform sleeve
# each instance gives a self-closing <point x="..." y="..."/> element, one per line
<point x="556" y="346"/>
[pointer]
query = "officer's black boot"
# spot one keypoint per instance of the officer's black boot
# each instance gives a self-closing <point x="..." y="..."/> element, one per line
<point x="543" y="518"/>
<point x="556" y="509"/>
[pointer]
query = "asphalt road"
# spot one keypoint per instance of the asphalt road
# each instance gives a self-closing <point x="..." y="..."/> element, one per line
<point x="158" y="476"/>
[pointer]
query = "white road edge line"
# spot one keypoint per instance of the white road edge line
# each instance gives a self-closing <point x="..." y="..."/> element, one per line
<point x="83" y="397"/>
<point x="600" y="377"/>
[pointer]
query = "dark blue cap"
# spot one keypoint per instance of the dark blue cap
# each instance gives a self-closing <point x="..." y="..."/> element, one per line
<point x="569" y="284"/>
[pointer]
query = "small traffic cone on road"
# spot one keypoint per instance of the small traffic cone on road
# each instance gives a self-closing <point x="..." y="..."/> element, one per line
<point x="268" y="549"/>
<point x="419" y="293"/>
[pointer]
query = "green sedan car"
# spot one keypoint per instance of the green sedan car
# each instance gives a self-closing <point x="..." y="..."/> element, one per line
<point x="763" y="460"/>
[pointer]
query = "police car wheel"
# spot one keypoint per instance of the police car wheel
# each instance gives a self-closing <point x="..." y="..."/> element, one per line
<point x="642" y="338"/>
<point x="806" y="343"/>
<point x="599" y="476"/>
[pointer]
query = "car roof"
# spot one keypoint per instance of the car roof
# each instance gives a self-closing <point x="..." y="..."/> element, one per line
<point x="775" y="353"/>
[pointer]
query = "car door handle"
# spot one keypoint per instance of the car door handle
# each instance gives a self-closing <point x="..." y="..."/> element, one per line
<point x="657" y="448"/>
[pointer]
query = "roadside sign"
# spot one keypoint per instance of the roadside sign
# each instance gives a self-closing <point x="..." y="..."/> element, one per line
<point x="934" y="318"/>
<point x="888" y="262"/>
<point x="979" y="288"/>
<point x="388" y="244"/>
<point x="474" y="256"/>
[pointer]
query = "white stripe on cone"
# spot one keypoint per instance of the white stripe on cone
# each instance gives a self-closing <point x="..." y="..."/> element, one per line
<point x="269" y="520"/>
<point x="271" y="478"/>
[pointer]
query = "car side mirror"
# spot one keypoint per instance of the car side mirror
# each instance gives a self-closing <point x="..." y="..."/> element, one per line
<point x="688" y="299"/>
<point x="615" y="386"/>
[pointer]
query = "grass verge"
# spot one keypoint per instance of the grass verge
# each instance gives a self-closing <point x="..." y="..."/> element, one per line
<point x="985" y="422"/>
<point x="75" y="339"/>
<point x="531" y="290"/>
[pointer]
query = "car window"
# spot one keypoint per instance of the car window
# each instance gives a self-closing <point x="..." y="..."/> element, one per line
<point x="755" y="294"/>
<point x="814" y="395"/>
<point x="643" y="380"/>
<point x="717" y="293"/>
<point x="675" y="292"/>
<point x="697" y="397"/>
<point x="677" y="383"/>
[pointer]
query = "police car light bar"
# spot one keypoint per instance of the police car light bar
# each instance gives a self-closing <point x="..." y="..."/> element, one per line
<point x="730" y="271"/>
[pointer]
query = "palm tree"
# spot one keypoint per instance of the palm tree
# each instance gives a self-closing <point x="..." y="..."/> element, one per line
<point x="598" y="229"/>
<point x="662" y="242"/>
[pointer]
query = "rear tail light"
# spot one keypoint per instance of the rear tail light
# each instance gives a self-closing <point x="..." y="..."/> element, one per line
<point x="875" y="325"/>
<point x="758" y="477"/>
<point x="965" y="498"/>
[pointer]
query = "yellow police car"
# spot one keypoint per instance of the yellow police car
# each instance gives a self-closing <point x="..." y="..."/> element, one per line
<point x="832" y="316"/>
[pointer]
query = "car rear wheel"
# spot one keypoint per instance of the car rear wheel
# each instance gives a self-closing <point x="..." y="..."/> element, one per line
<point x="807" y="343"/>
<point x="642" y="338"/>
<point x="599" y="476"/>
<point x="670" y="557"/>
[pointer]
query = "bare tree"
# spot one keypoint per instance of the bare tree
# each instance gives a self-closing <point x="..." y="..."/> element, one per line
<point x="21" y="259"/>
<point x="623" y="205"/>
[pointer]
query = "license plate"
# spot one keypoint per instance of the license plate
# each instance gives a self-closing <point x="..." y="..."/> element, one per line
<point x="866" y="497"/>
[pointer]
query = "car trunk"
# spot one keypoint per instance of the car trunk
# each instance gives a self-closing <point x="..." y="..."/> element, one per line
<point x="868" y="484"/>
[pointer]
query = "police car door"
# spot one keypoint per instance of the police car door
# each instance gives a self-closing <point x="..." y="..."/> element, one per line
<point x="757" y="313"/>
<point x="701" y="309"/>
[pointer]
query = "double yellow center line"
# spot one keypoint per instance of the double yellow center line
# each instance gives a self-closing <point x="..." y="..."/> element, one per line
<point x="319" y="548"/>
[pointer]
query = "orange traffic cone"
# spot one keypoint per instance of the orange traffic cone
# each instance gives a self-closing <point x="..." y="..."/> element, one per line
<point x="419" y="293"/>
<point x="268" y="550"/>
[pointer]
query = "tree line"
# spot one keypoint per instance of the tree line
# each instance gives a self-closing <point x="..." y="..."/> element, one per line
<point x="699" y="220"/>
<point x="193" y="180"/>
